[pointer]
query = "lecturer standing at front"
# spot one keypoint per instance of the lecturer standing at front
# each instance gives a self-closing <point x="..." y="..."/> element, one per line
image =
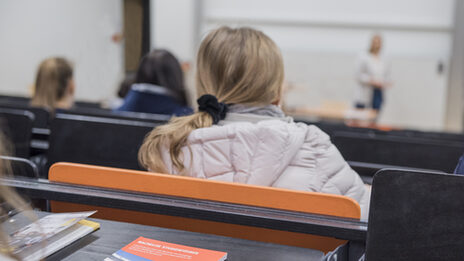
<point x="373" y="76"/>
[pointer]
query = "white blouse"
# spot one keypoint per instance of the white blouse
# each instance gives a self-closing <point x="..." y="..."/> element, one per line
<point x="370" y="68"/>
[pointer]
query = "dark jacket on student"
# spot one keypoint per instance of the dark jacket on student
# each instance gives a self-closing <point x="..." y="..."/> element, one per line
<point x="460" y="167"/>
<point x="155" y="99"/>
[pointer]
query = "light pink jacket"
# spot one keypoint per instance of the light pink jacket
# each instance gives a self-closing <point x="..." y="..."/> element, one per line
<point x="275" y="152"/>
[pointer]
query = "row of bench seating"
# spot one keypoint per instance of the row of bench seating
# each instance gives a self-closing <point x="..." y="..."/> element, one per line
<point x="403" y="202"/>
<point x="333" y="127"/>
<point x="414" y="152"/>
<point x="438" y="151"/>
<point x="104" y="138"/>
<point x="86" y="136"/>
<point x="404" y="223"/>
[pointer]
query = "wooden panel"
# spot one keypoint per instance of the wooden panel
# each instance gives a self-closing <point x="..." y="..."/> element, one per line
<point x="142" y="181"/>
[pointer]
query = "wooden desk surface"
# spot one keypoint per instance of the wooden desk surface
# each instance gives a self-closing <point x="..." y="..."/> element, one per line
<point x="114" y="235"/>
<point x="339" y="114"/>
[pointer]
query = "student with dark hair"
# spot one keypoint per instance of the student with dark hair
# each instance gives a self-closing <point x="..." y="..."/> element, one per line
<point x="125" y="85"/>
<point x="158" y="86"/>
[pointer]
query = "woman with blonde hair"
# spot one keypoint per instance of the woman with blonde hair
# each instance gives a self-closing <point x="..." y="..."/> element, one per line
<point x="54" y="85"/>
<point x="9" y="201"/>
<point x="373" y="77"/>
<point x="240" y="134"/>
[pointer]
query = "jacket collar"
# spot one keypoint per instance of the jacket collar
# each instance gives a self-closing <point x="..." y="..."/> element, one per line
<point x="254" y="114"/>
<point x="152" y="89"/>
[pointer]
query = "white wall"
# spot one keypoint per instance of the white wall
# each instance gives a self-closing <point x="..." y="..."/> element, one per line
<point x="413" y="27"/>
<point x="173" y="27"/>
<point x="393" y="12"/>
<point x="455" y="106"/>
<point x="321" y="39"/>
<point x="79" y="30"/>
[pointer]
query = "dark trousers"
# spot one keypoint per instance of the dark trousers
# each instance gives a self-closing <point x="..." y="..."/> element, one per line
<point x="377" y="99"/>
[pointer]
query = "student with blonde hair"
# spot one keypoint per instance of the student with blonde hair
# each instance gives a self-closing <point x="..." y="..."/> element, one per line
<point x="240" y="134"/>
<point x="9" y="200"/>
<point x="54" y="85"/>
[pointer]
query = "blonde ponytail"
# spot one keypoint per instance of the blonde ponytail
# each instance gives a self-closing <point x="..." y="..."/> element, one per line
<point x="172" y="136"/>
<point x="236" y="66"/>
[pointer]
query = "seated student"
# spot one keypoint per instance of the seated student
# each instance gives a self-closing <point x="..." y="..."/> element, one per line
<point x="10" y="200"/>
<point x="159" y="86"/>
<point x="123" y="90"/>
<point x="240" y="134"/>
<point x="125" y="85"/>
<point x="54" y="85"/>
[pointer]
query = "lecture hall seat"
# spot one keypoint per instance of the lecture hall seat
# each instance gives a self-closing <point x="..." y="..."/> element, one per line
<point x="96" y="140"/>
<point x="416" y="215"/>
<point x="420" y="153"/>
<point x="17" y="126"/>
<point x="171" y="185"/>
<point x="21" y="167"/>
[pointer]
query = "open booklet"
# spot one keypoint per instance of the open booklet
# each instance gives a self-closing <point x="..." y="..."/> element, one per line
<point x="145" y="249"/>
<point x="50" y="233"/>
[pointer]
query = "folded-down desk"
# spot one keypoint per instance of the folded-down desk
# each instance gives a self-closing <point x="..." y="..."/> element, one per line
<point x="113" y="235"/>
<point x="348" y="229"/>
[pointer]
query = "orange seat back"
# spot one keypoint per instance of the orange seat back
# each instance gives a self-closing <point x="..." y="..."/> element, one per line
<point x="171" y="185"/>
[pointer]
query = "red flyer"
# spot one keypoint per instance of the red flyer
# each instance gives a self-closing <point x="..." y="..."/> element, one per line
<point x="144" y="249"/>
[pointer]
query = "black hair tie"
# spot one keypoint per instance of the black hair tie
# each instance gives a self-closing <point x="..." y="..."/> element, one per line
<point x="208" y="103"/>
